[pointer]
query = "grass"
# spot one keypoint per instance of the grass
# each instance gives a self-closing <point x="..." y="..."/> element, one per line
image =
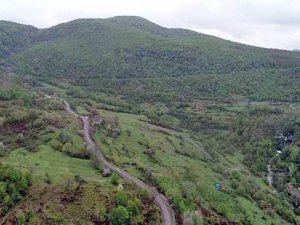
<point x="64" y="201"/>
<point x="56" y="165"/>
<point x="82" y="111"/>
<point x="57" y="194"/>
<point x="179" y="159"/>
<point x="256" y="215"/>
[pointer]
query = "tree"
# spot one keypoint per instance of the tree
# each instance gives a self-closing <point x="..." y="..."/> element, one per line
<point x="145" y="194"/>
<point x="133" y="208"/>
<point x="65" y="137"/>
<point x="234" y="184"/>
<point x="122" y="198"/>
<point x="8" y="201"/>
<point x="115" y="178"/>
<point x="68" y="147"/>
<point x="119" y="216"/>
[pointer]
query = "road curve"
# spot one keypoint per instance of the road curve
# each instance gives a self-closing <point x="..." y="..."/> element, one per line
<point x="167" y="213"/>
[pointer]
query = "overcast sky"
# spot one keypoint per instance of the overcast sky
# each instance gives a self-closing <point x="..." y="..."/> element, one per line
<point x="266" y="23"/>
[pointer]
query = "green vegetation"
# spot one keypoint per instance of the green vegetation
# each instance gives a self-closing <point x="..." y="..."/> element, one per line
<point x="64" y="187"/>
<point x="129" y="60"/>
<point x="201" y="157"/>
<point x="198" y="117"/>
<point x="47" y="163"/>
<point x="14" y="185"/>
<point x="115" y="178"/>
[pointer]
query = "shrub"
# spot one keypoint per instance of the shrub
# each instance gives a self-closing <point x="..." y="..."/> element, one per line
<point x="79" y="179"/>
<point x="64" y="137"/>
<point x="115" y="178"/>
<point x="102" y="214"/>
<point x="33" y="114"/>
<point x="145" y="194"/>
<point x="119" y="216"/>
<point x="8" y="201"/>
<point x="236" y="175"/>
<point x="121" y="198"/>
<point x="21" y="218"/>
<point x="187" y="189"/>
<point x="13" y="186"/>
<point x="20" y="138"/>
<point x="241" y="190"/>
<point x="68" y="147"/>
<point x="38" y="123"/>
<point x="180" y="204"/>
<point x="234" y="184"/>
<point x="133" y="208"/>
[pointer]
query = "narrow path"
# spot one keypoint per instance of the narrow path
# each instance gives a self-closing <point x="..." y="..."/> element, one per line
<point x="166" y="210"/>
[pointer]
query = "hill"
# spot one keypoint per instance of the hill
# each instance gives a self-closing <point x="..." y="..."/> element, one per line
<point x="213" y="125"/>
<point x="119" y="54"/>
<point x="13" y="37"/>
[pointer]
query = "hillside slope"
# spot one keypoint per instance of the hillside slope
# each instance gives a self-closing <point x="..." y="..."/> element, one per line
<point x="130" y="53"/>
<point x="14" y="37"/>
<point x="176" y="110"/>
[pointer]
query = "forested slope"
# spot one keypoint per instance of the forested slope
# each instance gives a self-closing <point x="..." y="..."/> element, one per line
<point x="132" y="57"/>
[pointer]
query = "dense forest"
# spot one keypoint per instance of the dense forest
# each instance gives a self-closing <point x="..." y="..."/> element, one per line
<point x="141" y="61"/>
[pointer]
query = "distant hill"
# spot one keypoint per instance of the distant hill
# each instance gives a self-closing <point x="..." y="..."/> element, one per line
<point x="14" y="37"/>
<point x="142" y="61"/>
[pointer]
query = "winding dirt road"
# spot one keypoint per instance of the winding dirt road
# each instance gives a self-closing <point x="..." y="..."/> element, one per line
<point x="166" y="210"/>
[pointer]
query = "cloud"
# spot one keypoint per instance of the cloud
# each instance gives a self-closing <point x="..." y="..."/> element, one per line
<point x="267" y="23"/>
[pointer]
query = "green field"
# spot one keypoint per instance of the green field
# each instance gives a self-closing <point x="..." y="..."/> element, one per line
<point x="181" y="166"/>
<point x="47" y="162"/>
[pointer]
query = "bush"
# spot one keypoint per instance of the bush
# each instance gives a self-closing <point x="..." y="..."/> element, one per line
<point x="38" y="123"/>
<point x="13" y="186"/>
<point x="79" y="179"/>
<point x="133" y="208"/>
<point x="21" y="218"/>
<point x="68" y="147"/>
<point x="115" y="178"/>
<point x="119" y="216"/>
<point x="64" y="137"/>
<point x="121" y="198"/>
<point x="102" y="214"/>
<point x="234" y="184"/>
<point x="180" y="204"/>
<point x="20" y="138"/>
<point x="241" y="190"/>
<point x="145" y="194"/>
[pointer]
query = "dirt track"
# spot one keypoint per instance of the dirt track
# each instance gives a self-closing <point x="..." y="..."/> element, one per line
<point x="166" y="210"/>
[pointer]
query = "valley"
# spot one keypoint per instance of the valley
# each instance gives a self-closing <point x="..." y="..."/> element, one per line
<point x="122" y="121"/>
